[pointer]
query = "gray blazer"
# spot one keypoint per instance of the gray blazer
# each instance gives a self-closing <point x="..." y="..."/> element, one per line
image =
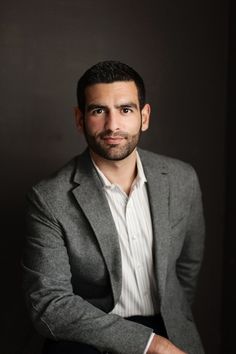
<point x="72" y="260"/>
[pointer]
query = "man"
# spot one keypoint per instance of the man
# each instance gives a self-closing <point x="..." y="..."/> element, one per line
<point x="115" y="238"/>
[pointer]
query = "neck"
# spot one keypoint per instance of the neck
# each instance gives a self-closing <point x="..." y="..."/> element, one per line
<point x="121" y="172"/>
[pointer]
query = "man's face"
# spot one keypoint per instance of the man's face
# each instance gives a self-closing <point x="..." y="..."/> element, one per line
<point x="112" y="121"/>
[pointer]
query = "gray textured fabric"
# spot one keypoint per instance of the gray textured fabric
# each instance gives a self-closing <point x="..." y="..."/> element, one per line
<point x="72" y="260"/>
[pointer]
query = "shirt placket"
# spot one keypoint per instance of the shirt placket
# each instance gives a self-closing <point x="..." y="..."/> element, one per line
<point x="133" y="242"/>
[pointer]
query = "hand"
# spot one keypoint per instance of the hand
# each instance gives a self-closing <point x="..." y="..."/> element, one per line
<point x="161" y="345"/>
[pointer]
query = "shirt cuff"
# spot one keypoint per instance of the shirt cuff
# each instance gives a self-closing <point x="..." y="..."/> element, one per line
<point x="148" y="343"/>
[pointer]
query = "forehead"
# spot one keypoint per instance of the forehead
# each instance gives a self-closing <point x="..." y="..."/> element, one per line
<point x="119" y="90"/>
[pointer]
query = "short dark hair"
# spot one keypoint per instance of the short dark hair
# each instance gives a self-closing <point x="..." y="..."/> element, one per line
<point x="109" y="72"/>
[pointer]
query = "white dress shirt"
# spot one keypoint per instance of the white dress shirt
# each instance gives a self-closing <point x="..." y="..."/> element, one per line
<point x="132" y="218"/>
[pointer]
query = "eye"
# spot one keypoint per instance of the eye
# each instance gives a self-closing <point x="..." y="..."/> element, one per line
<point x="126" y="110"/>
<point x="97" y="111"/>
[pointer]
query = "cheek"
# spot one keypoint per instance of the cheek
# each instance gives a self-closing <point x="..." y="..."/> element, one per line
<point x="93" y="126"/>
<point x="134" y="127"/>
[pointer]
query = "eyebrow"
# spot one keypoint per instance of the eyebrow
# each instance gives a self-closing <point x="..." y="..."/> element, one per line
<point x="128" y="105"/>
<point x="123" y="105"/>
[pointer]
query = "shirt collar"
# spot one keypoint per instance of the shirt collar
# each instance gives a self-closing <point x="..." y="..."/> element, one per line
<point x="139" y="180"/>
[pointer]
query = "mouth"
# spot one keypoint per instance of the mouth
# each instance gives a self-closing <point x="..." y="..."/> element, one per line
<point x="113" y="140"/>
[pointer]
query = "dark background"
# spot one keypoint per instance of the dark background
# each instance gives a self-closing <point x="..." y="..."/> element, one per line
<point x="185" y="52"/>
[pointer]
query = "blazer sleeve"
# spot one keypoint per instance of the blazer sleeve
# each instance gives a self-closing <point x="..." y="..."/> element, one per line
<point x="55" y="310"/>
<point x="189" y="262"/>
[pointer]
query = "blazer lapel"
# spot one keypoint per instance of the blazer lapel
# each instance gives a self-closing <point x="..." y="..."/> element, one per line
<point x="93" y="202"/>
<point x="158" y="190"/>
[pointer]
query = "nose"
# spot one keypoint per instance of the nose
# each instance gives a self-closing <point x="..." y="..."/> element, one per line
<point x="112" y="121"/>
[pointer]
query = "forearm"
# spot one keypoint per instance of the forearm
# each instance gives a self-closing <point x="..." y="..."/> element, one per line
<point x="64" y="316"/>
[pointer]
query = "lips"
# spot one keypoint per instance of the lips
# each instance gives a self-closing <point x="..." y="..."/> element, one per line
<point x="113" y="140"/>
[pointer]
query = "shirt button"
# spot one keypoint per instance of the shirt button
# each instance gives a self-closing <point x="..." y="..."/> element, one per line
<point x="133" y="237"/>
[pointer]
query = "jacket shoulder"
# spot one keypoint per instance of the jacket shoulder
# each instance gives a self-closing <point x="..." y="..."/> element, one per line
<point x="55" y="189"/>
<point x="63" y="177"/>
<point x="171" y="165"/>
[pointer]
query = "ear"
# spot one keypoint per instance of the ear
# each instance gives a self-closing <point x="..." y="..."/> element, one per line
<point x="79" y="119"/>
<point x="145" y="115"/>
